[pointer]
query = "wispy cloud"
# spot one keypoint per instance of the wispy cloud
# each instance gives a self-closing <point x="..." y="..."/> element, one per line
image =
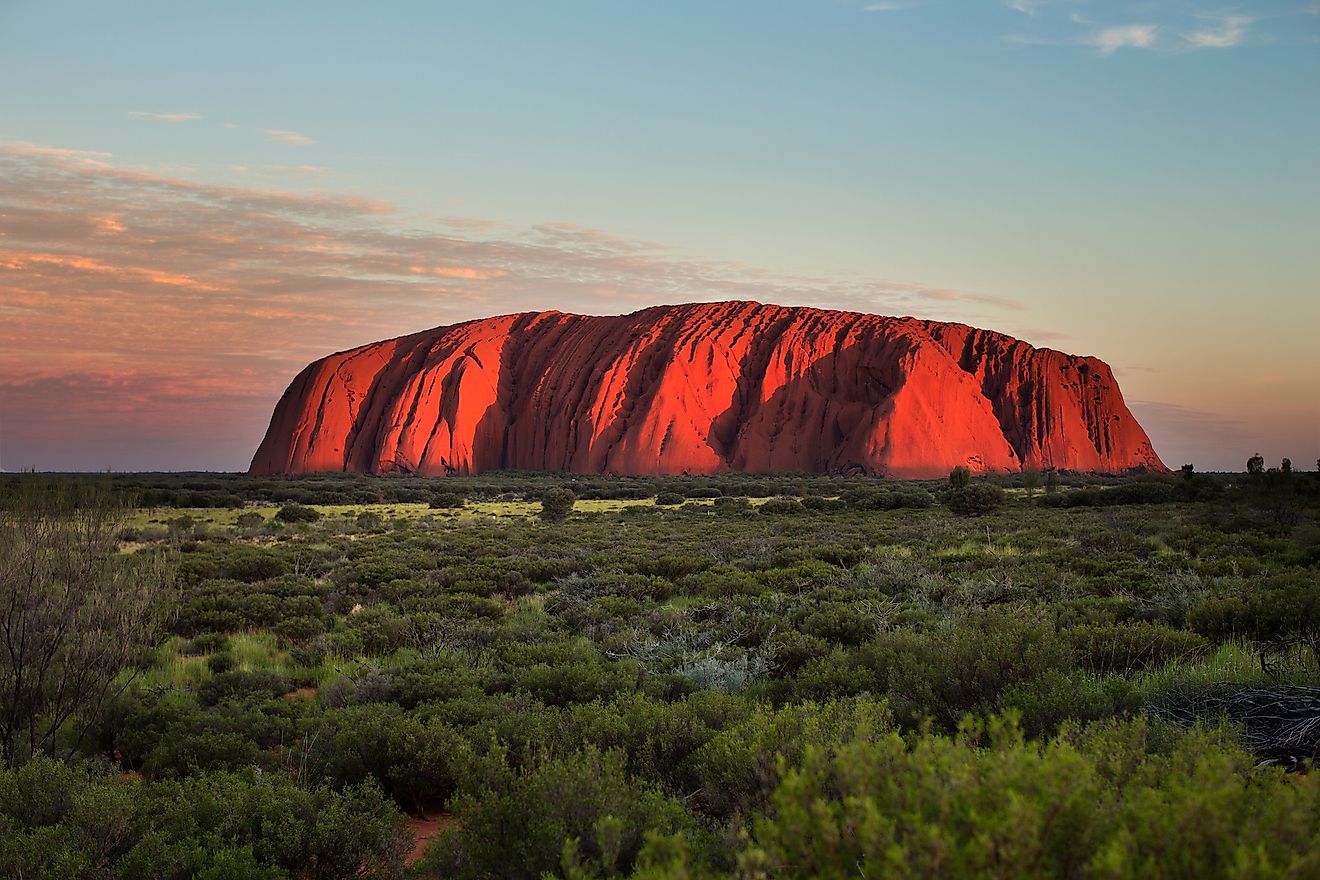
<point x="1026" y="7"/>
<point x="950" y="295"/>
<point x="1106" y="41"/>
<point x="281" y="170"/>
<point x="166" y="306"/>
<point x="1227" y="32"/>
<point x="1030" y="40"/>
<point x="888" y="6"/>
<point x="1038" y="336"/>
<point x="164" y="117"/>
<point x="1165" y="27"/>
<point x="1133" y="36"/>
<point x="280" y="136"/>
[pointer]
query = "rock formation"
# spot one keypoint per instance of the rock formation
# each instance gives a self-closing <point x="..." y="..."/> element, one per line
<point x="703" y="388"/>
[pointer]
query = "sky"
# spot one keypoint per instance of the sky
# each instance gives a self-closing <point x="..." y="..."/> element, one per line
<point x="197" y="199"/>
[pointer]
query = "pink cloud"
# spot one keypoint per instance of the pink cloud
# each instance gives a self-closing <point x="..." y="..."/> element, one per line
<point x="136" y="304"/>
<point x="280" y="136"/>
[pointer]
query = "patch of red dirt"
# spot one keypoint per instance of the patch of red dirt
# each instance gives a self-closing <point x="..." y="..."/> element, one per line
<point x="425" y="827"/>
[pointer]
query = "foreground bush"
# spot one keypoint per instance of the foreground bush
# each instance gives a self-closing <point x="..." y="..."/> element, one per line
<point x="1121" y="800"/>
<point x="71" y="821"/>
<point x="418" y="764"/>
<point x="741" y="767"/>
<point x="581" y="815"/>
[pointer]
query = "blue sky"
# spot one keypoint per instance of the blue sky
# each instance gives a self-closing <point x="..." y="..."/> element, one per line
<point x="1137" y="181"/>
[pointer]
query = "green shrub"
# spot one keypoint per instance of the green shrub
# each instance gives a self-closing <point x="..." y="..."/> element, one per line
<point x="71" y="821"/>
<point x="297" y="513"/>
<point x="1268" y="612"/>
<point x="964" y="667"/>
<point x="782" y="507"/>
<point x="296" y="630"/>
<point x="419" y="764"/>
<point x="580" y="815"/>
<point x="1221" y="618"/>
<point x="741" y="767"/>
<point x="839" y="622"/>
<point x="206" y="643"/>
<point x="250" y="520"/>
<point x="238" y="685"/>
<point x="1114" y="802"/>
<point x="1133" y="646"/>
<point x="976" y="499"/>
<point x="249" y="564"/>
<point x="1056" y="696"/>
<point x="816" y="502"/>
<point x="557" y="504"/>
<point x="221" y="662"/>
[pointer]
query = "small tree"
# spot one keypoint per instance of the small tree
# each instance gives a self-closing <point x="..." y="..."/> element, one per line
<point x="1051" y="482"/>
<point x="74" y="612"/>
<point x="557" y="504"/>
<point x="959" y="477"/>
<point x="1286" y="466"/>
<point x="1256" y="464"/>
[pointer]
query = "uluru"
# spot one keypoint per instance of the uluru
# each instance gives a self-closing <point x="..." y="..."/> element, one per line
<point x="704" y="388"/>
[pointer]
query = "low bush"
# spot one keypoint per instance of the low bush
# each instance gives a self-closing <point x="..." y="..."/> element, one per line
<point x="1122" y="800"/>
<point x="1132" y="646"/>
<point x="447" y="501"/>
<point x="61" y="820"/>
<point x="420" y="764"/>
<point x="580" y="816"/>
<point x="297" y="513"/>
<point x="741" y="767"/>
<point x="976" y="499"/>
<point x="239" y="685"/>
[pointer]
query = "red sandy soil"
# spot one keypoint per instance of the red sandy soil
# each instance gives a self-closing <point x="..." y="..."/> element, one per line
<point x="423" y="829"/>
<point x="704" y="388"/>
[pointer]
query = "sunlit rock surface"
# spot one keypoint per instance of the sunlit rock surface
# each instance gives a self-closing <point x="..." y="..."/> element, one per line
<point x="703" y="388"/>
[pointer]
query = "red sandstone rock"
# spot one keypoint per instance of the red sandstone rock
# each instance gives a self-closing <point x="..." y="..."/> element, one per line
<point x="703" y="388"/>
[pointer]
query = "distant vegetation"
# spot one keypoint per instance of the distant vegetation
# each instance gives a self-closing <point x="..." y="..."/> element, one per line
<point x="738" y="676"/>
<point x="220" y="491"/>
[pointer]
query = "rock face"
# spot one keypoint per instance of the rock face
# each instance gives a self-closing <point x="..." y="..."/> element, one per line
<point x="703" y="388"/>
